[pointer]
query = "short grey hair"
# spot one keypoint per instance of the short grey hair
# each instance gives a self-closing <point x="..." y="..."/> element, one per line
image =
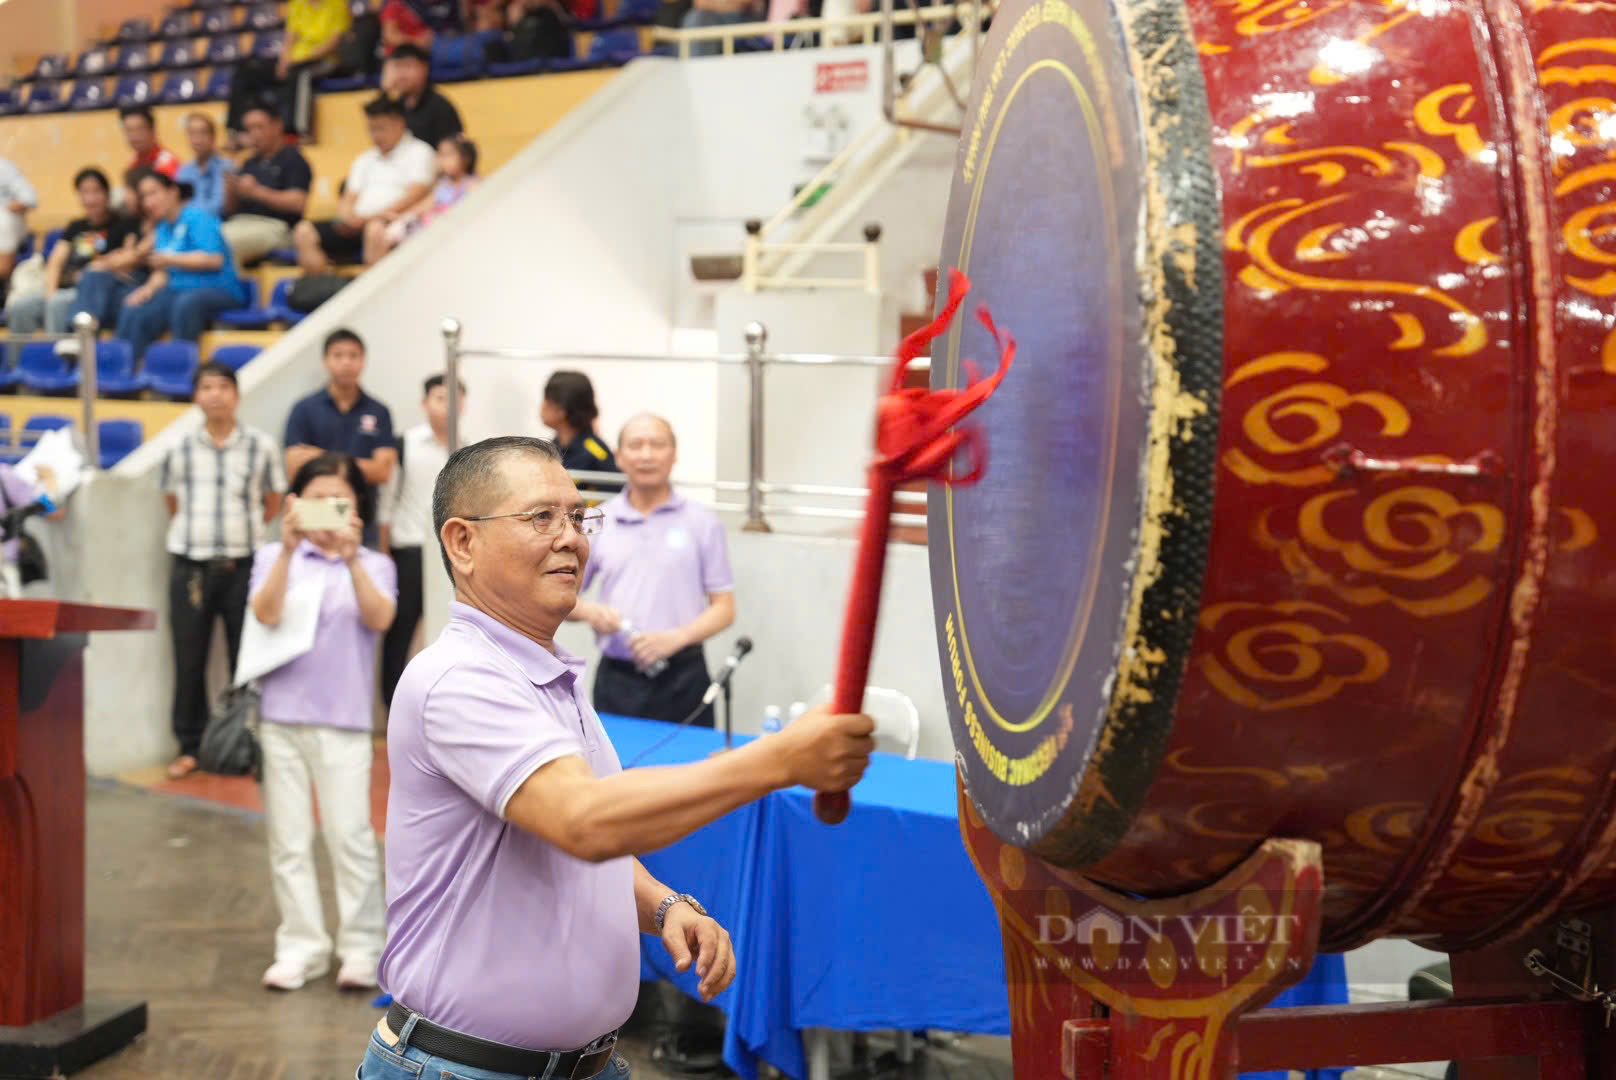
<point x="471" y="483"/>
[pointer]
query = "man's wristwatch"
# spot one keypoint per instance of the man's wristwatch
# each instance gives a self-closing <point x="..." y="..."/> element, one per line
<point x="677" y="898"/>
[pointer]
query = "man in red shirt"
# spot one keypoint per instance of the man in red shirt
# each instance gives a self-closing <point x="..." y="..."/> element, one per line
<point x="140" y="129"/>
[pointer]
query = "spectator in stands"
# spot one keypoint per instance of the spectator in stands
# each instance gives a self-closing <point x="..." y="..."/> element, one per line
<point x="341" y="417"/>
<point x="269" y="193"/>
<point x="405" y="23"/>
<point x="103" y="240"/>
<point x="309" y="51"/>
<point x="705" y="13"/>
<point x="568" y="409"/>
<point x="406" y="516"/>
<point x="193" y="274"/>
<point x="17" y="198"/>
<point x="480" y="16"/>
<point x="430" y="116"/>
<point x="457" y="175"/>
<point x="316" y="729"/>
<point x="223" y="486"/>
<point x="390" y="176"/>
<point x="210" y="171"/>
<point x="140" y="129"/>
<point x="665" y="586"/>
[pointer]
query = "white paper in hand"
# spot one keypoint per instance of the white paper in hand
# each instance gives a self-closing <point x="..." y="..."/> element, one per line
<point x="265" y="648"/>
<point x="58" y="451"/>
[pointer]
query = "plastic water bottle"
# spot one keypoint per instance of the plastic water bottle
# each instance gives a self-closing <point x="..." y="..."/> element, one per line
<point x="655" y="667"/>
<point x="772" y="723"/>
<point x="797" y="709"/>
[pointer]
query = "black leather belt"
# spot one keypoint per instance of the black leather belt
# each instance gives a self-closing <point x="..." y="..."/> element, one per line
<point x="497" y="1057"/>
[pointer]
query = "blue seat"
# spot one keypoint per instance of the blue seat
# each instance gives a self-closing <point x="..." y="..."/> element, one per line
<point x="180" y="53"/>
<point x="456" y="59"/>
<point x="218" y="87"/>
<point x="96" y="61"/>
<point x="249" y="316"/>
<point x="224" y="49"/>
<point x="609" y="48"/>
<point x="134" y="30"/>
<point x="10" y="104"/>
<point x="170" y="368"/>
<point x="181" y="87"/>
<point x="88" y="94"/>
<point x="505" y="69"/>
<point x="217" y="21"/>
<point x="37" y="425"/>
<point x="51" y="236"/>
<point x="133" y="90"/>
<point x="53" y="66"/>
<point x="115" y="368"/>
<point x="261" y="17"/>
<point x="267" y="45"/>
<point x="279" y="305"/>
<point x="25" y="247"/>
<point x="118" y="439"/>
<point x="44" y="97"/>
<point x="136" y="56"/>
<point x="177" y="24"/>
<point x="234" y="357"/>
<point x="41" y="370"/>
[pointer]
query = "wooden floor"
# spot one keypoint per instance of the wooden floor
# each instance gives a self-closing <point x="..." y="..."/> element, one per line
<point x="180" y="914"/>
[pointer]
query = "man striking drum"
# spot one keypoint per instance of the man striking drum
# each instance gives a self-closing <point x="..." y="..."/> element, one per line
<point x="513" y="894"/>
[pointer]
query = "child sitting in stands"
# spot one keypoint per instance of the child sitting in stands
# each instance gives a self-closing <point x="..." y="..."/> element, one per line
<point x="457" y="164"/>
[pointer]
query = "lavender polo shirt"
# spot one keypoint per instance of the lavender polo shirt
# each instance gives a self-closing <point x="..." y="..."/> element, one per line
<point x="492" y="931"/>
<point x="657" y="568"/>
<point x="333" y="683"/>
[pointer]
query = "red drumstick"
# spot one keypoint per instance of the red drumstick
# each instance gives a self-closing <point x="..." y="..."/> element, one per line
<point x="914" y="440"/>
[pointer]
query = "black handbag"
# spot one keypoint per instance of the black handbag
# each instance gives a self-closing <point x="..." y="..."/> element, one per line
<point x="230" y="743"/>
<point x="311" y="290"/>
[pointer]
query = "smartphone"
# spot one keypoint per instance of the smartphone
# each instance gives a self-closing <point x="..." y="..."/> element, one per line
<point x="321" y="515"/>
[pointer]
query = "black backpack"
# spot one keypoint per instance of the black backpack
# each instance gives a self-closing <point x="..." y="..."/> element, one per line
<point x="311" y="290"/>
<point x="230" y="743"/>
<point x="356" y="50"/>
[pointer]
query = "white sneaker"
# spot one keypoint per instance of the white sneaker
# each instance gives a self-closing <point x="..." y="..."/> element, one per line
<point x="353" y="976"/>
<point x="292" y="974"/>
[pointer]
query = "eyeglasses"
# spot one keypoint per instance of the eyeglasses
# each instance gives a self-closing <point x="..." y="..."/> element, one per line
<point x="546" y="520"/>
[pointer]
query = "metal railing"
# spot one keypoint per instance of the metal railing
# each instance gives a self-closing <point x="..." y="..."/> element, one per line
<point x="753" y="278"/>
<point x="83" y="335"/>
<point x="865" y="28"/>
<point x="760" y="496"/>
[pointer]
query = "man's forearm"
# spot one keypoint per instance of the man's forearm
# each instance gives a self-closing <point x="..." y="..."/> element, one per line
<point x="648" y="896"/>
<point x="641" y="810"/>
<point x="715" y="620"/>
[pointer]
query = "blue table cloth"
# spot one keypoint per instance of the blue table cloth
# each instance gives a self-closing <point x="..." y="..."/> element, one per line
<point x="880" y="923"/>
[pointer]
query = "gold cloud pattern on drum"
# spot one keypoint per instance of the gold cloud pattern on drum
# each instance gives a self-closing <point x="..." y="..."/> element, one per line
<point x="1320" y="405"/>
<point x="1255" y="234"/>
<point x="1434" y="117"/>
<point x="1471" y="246"/>
<point x="1407" y="544"/>
<point x="1276" y="656"/>
<point x="1577" y="128"/>
<point x="1580" y="531"/>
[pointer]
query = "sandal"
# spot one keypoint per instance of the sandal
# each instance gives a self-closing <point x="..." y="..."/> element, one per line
<point x="182" y="766"/>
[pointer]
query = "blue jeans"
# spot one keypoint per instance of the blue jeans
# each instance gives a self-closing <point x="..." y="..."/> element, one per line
<point x="33" y="312"/>
<point x="383" y="1062"/>
<point x="184" y="313"/>
<point x="101" y="294"/>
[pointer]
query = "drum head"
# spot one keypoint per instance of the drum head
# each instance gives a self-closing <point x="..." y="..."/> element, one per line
<point x="1065" y="584"/>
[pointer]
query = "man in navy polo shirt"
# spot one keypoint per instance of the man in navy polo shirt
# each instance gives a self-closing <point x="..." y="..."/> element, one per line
<point x="341" y="417"/>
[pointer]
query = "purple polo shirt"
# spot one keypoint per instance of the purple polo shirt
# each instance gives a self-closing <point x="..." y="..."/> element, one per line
<point x="333" y="683"/>
<point x="14" y="492"/>
<point x="657" y="568"/>
<point x="492" y="931"/>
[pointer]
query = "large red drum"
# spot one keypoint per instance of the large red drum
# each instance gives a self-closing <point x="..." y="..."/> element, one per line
<point x="1299" y="512"/>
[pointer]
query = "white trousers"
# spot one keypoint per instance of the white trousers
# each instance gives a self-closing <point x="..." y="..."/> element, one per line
<point x="300" y="761"/>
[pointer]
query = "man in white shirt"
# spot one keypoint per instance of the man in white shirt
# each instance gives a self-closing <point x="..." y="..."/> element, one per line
<point x="406" y="521"/>
<point x="17" y="197"/>
<point x="390" y="176"/>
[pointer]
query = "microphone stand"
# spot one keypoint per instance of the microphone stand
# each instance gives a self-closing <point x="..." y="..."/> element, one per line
<point x="729" y="715"/>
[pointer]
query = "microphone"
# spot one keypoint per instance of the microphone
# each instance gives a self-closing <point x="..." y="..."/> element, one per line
<point x="733" y="661"/>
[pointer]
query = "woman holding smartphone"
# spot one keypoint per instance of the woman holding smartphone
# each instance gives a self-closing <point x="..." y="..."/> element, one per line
<point x="316" y="729"/>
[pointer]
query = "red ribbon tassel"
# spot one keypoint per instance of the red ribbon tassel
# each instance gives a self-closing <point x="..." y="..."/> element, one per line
<point x="915" y="439"/>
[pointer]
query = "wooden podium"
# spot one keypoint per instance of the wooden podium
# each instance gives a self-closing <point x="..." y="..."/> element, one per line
<point x="47" y="1027"/>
